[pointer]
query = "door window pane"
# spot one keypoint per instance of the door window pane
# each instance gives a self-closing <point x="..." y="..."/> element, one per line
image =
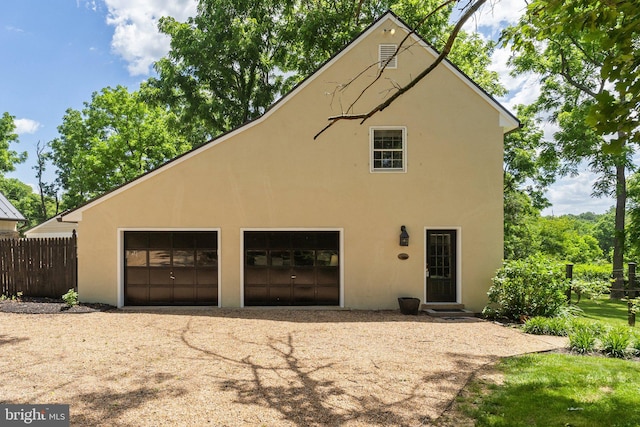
<point x="159" y="258"/>
<point x="136" y="258"/>
<point x="183" y="258"/>
<point x="327" y="258"/>
<point x="257" y="258"/>
<point x="303" y="258"/>
<point x="280" y="258"/>
<point x="207" y="258"/>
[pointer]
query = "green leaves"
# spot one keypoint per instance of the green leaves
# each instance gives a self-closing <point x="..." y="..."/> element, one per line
<point x="534" y="286"/>
<point x="8" y="158"/>
<point x="114" y="139"/>
<point x="593" y="48"/>
<point x="229" y="63"/>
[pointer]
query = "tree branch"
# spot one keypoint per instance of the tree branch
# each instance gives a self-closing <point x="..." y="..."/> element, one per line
<point x="473" y="8"/>
<point x="383" y="66"/>
<point x="564" y="72"/>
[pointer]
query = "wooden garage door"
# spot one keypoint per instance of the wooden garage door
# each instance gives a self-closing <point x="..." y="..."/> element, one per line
<point x="171" y="268"/>
<point x="291" y="268"/>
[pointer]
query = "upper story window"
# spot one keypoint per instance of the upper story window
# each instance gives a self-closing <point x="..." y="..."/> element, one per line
<point x="386" y="51"/>
<point x="389" y="149"/>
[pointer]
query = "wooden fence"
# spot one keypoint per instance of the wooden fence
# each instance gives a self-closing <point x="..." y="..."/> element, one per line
<point x="38" y="267"/>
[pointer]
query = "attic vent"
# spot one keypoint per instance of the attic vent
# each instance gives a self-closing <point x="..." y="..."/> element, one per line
<point x="385" y="52"/>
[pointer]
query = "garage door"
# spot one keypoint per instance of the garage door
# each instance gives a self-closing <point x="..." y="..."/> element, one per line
<point x="291" y="268"/>
<point x="171" y="268"/>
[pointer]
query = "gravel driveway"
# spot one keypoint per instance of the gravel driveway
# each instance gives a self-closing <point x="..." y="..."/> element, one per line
<point x="268" y="367"/>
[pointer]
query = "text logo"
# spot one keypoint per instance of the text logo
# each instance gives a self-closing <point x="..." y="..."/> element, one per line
<point x="34" y="415"/>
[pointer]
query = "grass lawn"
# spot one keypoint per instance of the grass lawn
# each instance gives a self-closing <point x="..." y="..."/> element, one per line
<point x="604" y="309"/>
<point x="558" y="390"/>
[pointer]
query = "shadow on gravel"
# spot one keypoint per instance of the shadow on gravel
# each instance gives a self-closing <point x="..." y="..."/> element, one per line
<point x="301" y="314"/>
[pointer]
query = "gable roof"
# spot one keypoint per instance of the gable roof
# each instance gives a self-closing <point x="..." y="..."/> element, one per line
<point x="52" y="226"/>
<point x="507" y="120"/>
<point x="8" y="211"/>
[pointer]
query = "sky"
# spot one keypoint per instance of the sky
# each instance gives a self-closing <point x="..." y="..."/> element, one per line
<point x="55" y="53"/>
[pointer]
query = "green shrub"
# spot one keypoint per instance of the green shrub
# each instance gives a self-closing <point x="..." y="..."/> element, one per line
<point x="70" y="298"/>
<point x="635" y="344"/>
<point x="615" y="341"/>
<point x="597" y="328"/>
<point x="535" y="325"/>
<point x="15" y="297"/>
<point x="557" y="326"/>
<point x="535" y="286"/>
<point x="589" y="288"/>
<point x="582" y="339"/>
<point x="592" y="272"/>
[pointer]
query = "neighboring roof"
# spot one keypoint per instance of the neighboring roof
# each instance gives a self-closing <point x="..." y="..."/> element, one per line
<point x="8" y="211"/>
<point x="52" y="227"/>
<point x="508" y="121"/>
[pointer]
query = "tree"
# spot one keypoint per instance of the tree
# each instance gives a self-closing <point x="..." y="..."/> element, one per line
<point x="527" y="173"/>
<point x="113" y="140"/>
<point x="568" y="239"/>
<point x="8" y="158"/>
<point x="521" y="238"/>
<point x="603" y="231"/>
<point x="230" y="62"/>
<point x="586" y="53"/>
<point x="633" y="235"/>
<point x="24" y="199"/>
<point x="19" y="194"/>
<point x="221" y="69"/>
<point x="47" y="191"/>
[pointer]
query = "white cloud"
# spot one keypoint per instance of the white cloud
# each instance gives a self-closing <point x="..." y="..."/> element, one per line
<point x="136" y="37"/>
<point x="569" y="195"/>
<point x="26" y="126"/>
<point x="89" y="4"/>
<point x="573" y="195"/>
<point x="495" y="16"/>
<point x="12" y="29"/>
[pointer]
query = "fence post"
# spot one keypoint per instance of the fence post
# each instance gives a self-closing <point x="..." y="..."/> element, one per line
<point x="632" y="280"/>
<point x="569" y="275"/>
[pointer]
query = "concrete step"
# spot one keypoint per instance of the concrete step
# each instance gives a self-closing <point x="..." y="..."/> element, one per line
<point x="446" y="310"/>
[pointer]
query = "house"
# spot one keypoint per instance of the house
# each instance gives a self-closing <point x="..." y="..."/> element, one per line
<point x="265" y="215"/>
<point x="9" y="219"/>
<point x="52" y="227"/>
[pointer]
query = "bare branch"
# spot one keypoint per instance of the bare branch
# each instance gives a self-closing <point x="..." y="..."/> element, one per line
<point x="472" y="9"/>
<point x="383" y="66"/>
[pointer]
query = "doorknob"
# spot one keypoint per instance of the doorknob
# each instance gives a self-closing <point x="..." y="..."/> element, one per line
<point x="293" y="276"/>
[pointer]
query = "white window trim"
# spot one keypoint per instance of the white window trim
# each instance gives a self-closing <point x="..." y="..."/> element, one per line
<point x="382" y="58"/>
<point x="372" y="130"/>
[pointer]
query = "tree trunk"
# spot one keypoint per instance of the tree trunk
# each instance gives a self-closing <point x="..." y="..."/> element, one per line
<point x="617" y="288"/>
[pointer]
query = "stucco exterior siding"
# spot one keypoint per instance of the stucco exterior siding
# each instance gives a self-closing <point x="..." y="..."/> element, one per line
<point x="271" y="174"/>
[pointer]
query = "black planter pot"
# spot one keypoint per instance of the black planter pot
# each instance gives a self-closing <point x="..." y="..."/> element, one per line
<point x="409" y="305"/>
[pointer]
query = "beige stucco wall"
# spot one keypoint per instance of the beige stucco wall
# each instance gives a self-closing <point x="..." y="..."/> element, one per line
<point x="8" y="225"/>
<point x="273" y="174"/>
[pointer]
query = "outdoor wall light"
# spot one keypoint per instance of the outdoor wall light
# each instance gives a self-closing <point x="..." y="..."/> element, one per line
<point x="404" y="236"/>
<point x="391" y="31"/>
